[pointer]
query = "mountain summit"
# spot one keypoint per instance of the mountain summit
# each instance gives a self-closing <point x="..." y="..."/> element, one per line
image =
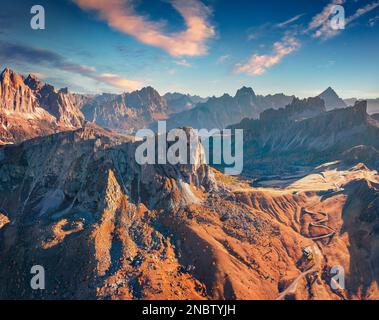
<point x="332" y="100"/>
<point x="30" y="108"/>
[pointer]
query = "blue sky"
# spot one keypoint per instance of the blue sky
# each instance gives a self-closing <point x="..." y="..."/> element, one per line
<point x="196" y="46"/>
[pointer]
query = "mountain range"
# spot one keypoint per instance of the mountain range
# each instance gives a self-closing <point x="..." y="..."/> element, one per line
<point x="74" y="200"/>
<point x="287" y="142"/>
<point x="178" y="102"/>
<point x="220" y="112"/>
<point x="128" y="111"/>
<point x="41" y="109"/>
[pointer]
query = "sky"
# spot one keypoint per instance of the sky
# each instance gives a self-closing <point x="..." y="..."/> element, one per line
<point x="203" y="47"/>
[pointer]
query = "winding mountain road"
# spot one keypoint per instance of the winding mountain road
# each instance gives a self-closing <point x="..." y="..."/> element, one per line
<point x="291" y="289"/>
<point x="319" y="223"/>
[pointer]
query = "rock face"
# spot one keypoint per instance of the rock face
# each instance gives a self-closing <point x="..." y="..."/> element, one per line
<point x="226" y="110"/>
<point x="15" y="96"/>
<point x="29" y="108"/>
<point x="60" y="104"/>
<point x="372" y="104"/>
<point x="126" y="112"/>
<point x="332" y="100"/>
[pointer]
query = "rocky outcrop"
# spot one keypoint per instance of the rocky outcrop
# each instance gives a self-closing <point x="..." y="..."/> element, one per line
<point x="372" y="104"/>
<point x="87" y="187"/>
<point x="60" y="104"/>
<point x="15" y="96"/>
<point x="30" y="108"/>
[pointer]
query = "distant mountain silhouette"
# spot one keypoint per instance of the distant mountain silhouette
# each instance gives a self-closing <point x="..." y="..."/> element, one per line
<point x="332" y="100"/>
<point x="220" y="112"/>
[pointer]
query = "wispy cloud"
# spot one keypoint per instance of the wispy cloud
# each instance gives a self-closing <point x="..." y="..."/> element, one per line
<point x="222" y="59"/>
<point x="17" y="53"/>
<point x="361" y="11"/>
<point x="373" y="21"/>
<point x="258" y="64"/>
<point x="121" y="16"/>
<point x="289" y="21"/>
<point x="183" y="63"/>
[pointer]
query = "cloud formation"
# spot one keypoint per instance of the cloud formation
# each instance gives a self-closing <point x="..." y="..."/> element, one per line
<point x="318" y="27"/>
<point x="320" y="24"/>
<point x="289" y="21"/>
<point x="120" y="15"/>
<point x="373" y="21"/>
<point x="183" y="63"/>
<point x="361" y="11"/>
<point x="16" y="53"/>
<point x="320" y="19"/>
<point x="222" y="59"/>
<point x="258" y="64"/>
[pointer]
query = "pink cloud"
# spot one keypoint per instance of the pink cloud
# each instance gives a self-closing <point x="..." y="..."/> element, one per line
<point x="120" y="15"/>
<point x="117" y="81"/>
<point x="258" y="64"/>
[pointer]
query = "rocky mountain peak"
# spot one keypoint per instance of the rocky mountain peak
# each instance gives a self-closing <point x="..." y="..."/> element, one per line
<point x="330" y="90"/>
<point x="33" y="82"/>
<point x="64" y="90"/>
<point x="147" y="99"/>
<point x="245" y="91"/>
<point x="34" y="108"/>
<point x="332" y="100"/>
<point x="149" y="90"/>
<point x="14" y="94"/>
<point x="10" y="77"/>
